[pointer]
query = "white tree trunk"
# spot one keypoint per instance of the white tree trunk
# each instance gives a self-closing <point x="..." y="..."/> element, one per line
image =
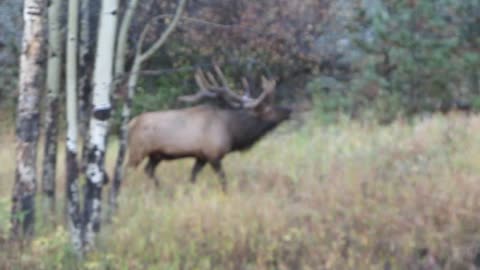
<point x="27" y="124"/>
<point x="140" y="58"/>
<point x="102" y="82"/>
<point x="72" y="187"/>
<point x="51" y="110"/>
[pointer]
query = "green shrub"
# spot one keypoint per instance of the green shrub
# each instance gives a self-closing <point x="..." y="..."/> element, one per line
<point x="424" y="53"/>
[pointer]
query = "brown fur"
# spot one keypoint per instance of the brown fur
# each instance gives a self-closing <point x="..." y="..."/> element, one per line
<point x="195" y="131"/>
<point x="206" y="133"/>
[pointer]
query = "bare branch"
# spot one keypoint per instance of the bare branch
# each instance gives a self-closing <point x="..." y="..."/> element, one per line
<point x="122" y="38"/>
<point x="186" y="19"/>
<point x="213" y="24"/>
<point x="166" y="33"/>
<point x="145" y="30"/>
<point x="138" y="51"/>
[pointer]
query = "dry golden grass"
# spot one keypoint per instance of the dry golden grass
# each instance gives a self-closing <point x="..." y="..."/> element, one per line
<point x="345" y="196"/>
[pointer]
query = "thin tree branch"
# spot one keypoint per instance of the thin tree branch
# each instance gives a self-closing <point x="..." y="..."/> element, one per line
<point x="122" y="37"/>
<point x="145" y="30"/>
<point x="155" y="72"/>
<point x="216" y="25"/>
<point x="165" y="34"/>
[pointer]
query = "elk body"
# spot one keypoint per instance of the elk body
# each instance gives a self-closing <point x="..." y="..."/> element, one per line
<point x="204" y="132"/>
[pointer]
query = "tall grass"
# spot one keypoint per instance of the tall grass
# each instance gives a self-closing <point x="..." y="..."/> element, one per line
<point x="345" y="196"/>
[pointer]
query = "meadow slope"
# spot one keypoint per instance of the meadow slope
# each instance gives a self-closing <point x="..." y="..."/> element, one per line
<point x="345" y="196"/>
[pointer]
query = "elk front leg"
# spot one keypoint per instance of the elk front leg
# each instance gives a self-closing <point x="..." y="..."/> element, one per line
<point x="197" y="167"/>
<point x="153" y="161"/>
<point x="217" y="167"/>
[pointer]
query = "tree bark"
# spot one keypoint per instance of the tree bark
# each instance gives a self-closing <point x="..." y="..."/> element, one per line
<point x="139" y="59"/>
<point x="122" y="44"/>
<point x="118" y="172"/>
<point x="85" y="68"/>
<point x="27" y="124"/>
<point x="51" y="110"/>
<point x="72" y="187"/>
<point x="95" y="169"/>
<point x="122" y="41"/>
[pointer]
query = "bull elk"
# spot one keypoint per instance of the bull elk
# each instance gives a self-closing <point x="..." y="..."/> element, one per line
<point x="204" y="132"/>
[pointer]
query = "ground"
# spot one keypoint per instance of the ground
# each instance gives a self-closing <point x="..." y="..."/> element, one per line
<point x="352" y="195"/>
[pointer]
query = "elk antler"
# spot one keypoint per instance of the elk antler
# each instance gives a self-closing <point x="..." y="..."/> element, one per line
<point x="246" y="88"/>
<point x="203" y="92"/>
<point x="246" y="101"/>
<point x="268" y="88"/>
<point x="227" y="91"/>
<point x="210" y="88"/>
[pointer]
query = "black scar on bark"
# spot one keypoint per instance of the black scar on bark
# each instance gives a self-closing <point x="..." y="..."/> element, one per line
<point x="49" y="193"/>
<point x="128" y="102"/>
<point x="102" y="114"/>
<point x="92" y="191"/>
<point x="27" y="128"/>
<point x="34" y="13"/>
<point x="106" y="179"/>
<point x="28" y="207"/>
<point x="14" y="219"/>
<point x="72" y="173"/>
<point x="91" y="155"/>
<point x="72" y="184"/>
<point x="23" y="205"/>
<point x="92" y="159"/>
<point x="51" y="135"/>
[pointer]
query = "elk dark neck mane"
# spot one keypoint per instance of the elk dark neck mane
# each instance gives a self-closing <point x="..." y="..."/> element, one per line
<point x="246" y="128"/>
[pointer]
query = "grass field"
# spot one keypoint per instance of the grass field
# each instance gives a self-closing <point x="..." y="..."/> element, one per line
<point x="345" y="196"/>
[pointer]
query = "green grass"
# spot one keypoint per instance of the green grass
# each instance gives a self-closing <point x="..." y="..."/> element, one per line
<point x="345" y="196"/>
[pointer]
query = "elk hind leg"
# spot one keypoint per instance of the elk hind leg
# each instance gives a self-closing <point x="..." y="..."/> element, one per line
<point x="197" y="167"/>
<point x="153" y="161"/>
<point x="217" y="167"/>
